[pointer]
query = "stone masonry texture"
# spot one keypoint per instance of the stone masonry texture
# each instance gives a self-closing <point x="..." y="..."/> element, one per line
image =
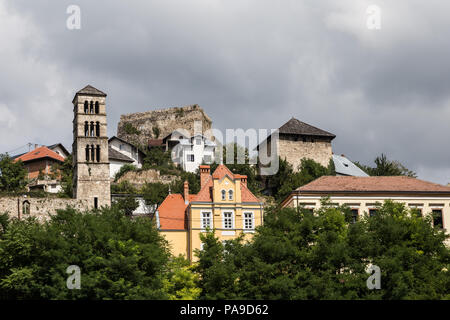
<point x="166" y="120"/>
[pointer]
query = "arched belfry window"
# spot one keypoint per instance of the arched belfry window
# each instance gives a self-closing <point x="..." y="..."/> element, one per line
<point x="97" y="109"/>
<point x="92" y="153"/>
<point x="86" y="106"/>
<point x="97" y="129"/>
<point x="92" y="129"/>
<point x="87" y="153"/>
<point x="26" y="207"/>
<point x="98" y="153"/>
<point x="86" y="129"/>
<point x="92" y="107"/>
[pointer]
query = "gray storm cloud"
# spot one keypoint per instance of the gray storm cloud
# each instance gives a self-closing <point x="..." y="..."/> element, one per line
<point x="249" y="64"/>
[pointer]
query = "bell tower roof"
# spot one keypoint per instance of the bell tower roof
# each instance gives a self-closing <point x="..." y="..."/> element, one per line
<point x="90" y="91"/>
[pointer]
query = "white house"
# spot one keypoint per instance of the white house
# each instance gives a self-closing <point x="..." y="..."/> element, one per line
<point x="122" y="152"/>
<point x="189" y="152"/>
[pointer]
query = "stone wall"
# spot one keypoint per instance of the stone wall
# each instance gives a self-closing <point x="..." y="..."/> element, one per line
<point x="41" y="208"/>
<point x="294" y="151"/>
<point x="139" y="178"/>
<point x="167" y="120"/>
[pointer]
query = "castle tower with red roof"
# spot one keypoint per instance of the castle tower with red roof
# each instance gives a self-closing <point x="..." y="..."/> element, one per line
<point x="90" y="148"/>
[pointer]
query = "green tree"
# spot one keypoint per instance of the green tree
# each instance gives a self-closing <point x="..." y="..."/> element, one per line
<point x="124" y="169"/>
<point x="127" y="204"/>
<point x="156" y="131"/>
<point x="119" y="257"/>
<point x="245" y="168"/>
<point x="155" y="193"/>
<point x="181" y="282"/>
<point x="65" y="170"/>
<point x="13" y="175"/>
<point x="386" y="167"/>
<point x="192" y="178"/>
<point x="157" y="158"/>
<point x="298" y="254"/>
<point x="286" y="180"/>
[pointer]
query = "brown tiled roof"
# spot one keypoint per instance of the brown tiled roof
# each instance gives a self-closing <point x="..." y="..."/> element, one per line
<point x="298" y="127"/>
<point x="388" y="184"/>
<point x="172" y="213"/>
<point x="116" y="155"/>
<point x="155" y="142"/>
<point x="39" y="153"/>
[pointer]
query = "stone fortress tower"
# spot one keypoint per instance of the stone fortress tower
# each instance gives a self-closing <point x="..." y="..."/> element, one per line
<point x="90" y="148"/>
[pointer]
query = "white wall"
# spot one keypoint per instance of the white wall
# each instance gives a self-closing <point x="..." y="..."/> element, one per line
<point x="127" y="150"/>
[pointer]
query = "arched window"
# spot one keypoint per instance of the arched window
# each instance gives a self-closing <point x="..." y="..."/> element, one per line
<point x="98" y="153"/>
<point x="86" y="129"/>
<point x="224" y="195"/>
<point x="92" y="129"/>
<point x="86" y="106"/>
<point x="97" y="109"/>
<point x="26" y="207"/>
<point x="87" y="153"/>
<point x="92" y="107"/>
<point x="230" y="194"/>
<point x="97" y="129"/>
<point x="92" y="153"/>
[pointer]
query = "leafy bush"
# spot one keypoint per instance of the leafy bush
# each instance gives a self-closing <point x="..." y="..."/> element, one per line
<point x="130" y="129"/>
<point x="124" y="169"/>
<point x="119" y="257"/>
<point x="156" y="131"/>
<point x="13" y="175"/>
<point x="300" y="255"/>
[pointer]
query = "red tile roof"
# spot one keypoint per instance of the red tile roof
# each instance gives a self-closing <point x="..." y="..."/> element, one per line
<point x="39" y="153"/>
<point x="172" y="213"/>
<point x="388" y="184"/>
<point x="221" y="171"/>
<point x="247" y="195"/>
<point x="204" y="195"/>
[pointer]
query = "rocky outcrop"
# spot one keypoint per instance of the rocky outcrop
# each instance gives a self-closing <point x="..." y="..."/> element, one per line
<point x="139" y="127"/>
<point x="139" y="178"/>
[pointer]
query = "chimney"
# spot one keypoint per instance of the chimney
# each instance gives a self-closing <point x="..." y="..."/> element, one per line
<point x="186" y="192"/>
<point x="204" y="174"/>
<point x="244" y="180"/>
<point x="36" y="146"/>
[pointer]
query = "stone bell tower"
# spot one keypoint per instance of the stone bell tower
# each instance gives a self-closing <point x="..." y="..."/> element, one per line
<point x="90" y="148"/>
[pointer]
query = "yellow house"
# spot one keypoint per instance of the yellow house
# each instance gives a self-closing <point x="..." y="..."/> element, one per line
<point x="224" y="203"/>
<point x="362" y="194"/>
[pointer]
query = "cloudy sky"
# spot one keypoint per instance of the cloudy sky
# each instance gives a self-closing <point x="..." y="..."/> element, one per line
<point x="248" y="63"/>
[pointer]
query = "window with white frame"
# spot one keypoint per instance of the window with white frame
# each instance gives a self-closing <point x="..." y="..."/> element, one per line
<point x="206" y="220"/>
<point x="248" y="221"/>
<point x="228" y="220"/>
<point x="224" y="195"/>
<point x="190" y="157"/>
<point x="230" y="194"/>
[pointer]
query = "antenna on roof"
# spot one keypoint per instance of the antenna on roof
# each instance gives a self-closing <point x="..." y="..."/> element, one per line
<point x="29" y="146"/>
